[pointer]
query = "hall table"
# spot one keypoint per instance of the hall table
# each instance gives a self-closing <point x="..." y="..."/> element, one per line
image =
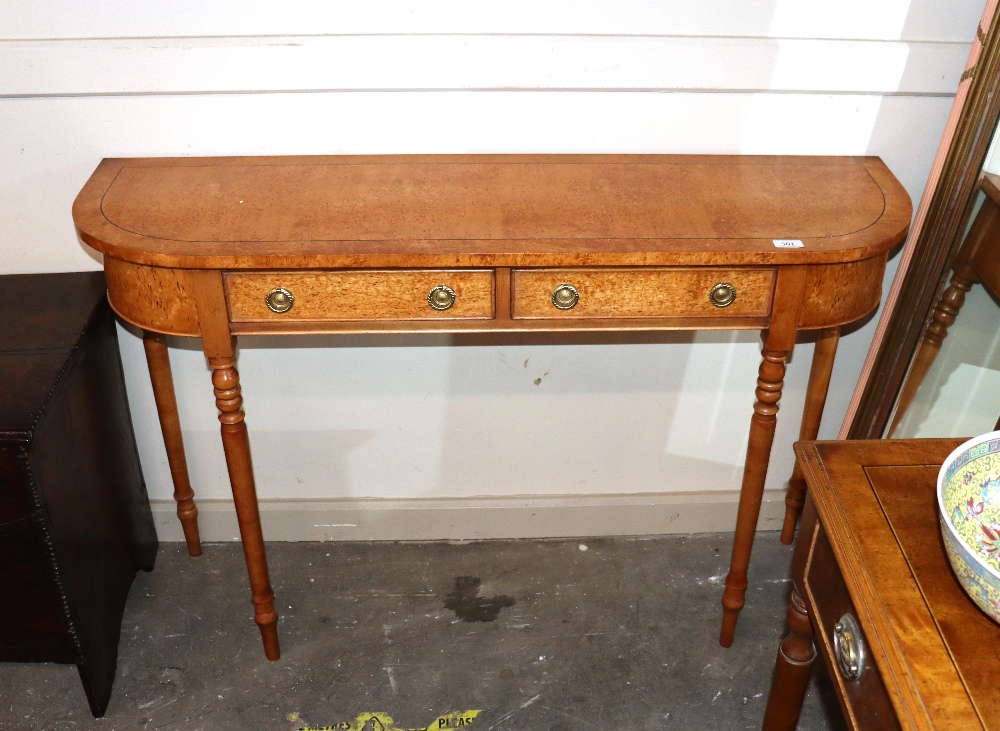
<point x="221" y="247"/>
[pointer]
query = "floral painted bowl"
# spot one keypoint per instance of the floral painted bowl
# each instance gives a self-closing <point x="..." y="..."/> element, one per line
<point x="968" y="494"/>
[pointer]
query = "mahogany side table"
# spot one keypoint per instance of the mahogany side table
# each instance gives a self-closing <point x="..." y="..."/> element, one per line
<point x="906" y="648"/>
<point x="221" y="247"/>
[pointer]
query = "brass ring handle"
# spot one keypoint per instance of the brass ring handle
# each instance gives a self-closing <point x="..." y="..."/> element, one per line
<point x="849" y="648"/>
<point x="565" y="297"/>
<point x="441" y="297"/>
<point x="279" y="300"/>
<point x="722" y="294"/>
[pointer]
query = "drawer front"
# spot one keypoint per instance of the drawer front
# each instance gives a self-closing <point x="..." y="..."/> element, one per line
<point x="647" y="292"/>
<point x="360" y="295"/>
<point x="864" y="700"/>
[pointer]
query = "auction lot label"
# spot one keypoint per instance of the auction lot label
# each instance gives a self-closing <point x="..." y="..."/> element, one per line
<point x="376" y="721"/>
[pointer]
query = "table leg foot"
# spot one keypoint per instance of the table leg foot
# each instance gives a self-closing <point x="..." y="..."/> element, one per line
<point x="791" y="670"/>
<point x="762" y="424"/>
<point x="732" y="603"/>
<point x="158" y="361"/>
<point x="269" y="636"/>
<point x="236" y="444"/>
<point x="267" y="622"/>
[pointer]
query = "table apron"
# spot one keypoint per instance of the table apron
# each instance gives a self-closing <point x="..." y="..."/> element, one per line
<point x="161" y="299"/>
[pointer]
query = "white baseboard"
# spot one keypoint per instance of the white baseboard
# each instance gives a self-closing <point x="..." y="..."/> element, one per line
<point x="477" y="518"/>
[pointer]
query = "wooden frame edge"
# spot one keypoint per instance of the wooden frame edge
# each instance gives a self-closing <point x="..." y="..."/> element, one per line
<point x="921" y="274"/>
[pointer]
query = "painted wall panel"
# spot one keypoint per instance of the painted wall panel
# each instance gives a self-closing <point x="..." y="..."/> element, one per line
<point x="884" y="19"/>
<point x="34" y="68"/>
<point x="457" y="416"/>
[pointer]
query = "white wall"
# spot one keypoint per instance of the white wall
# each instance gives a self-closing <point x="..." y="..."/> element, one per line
<point x="463" y="419"/>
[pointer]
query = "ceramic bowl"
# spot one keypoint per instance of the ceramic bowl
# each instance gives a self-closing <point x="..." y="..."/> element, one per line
<point x="968" y="494"/>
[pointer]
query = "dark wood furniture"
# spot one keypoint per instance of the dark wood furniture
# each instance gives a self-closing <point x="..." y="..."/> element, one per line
<point x="75" y="522"/>
<point x="977" y="261"/>
<point x="221" y="247"/>
<point x="870" y="549"/>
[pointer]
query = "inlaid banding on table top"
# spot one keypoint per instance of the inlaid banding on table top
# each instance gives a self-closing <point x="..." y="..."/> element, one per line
<point x="351" y="211"/>
<point x="650" y="292"/>
<point x="346" y="296"/>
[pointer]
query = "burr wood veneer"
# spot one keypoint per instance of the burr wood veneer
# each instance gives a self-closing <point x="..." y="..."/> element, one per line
<point x="220" y="247"/>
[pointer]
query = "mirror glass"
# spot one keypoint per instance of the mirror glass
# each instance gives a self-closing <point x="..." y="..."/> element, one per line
<point x="952" y="387"/>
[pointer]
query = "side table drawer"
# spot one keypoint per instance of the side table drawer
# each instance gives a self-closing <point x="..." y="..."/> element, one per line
<point x="865" y="700"/>
<point x="645" y="292"/>
<point x="325" y="296"/>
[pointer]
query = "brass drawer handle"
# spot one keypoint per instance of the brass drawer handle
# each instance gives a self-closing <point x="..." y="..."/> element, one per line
<point x="279" y="300"/>
<point x="441" y="297"/>
<point x="565" y="297"/>
<point x="722" y="294"/>
<point x="849" y="648"/>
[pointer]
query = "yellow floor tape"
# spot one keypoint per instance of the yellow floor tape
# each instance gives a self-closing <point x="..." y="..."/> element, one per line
<point x="383" y="722"/>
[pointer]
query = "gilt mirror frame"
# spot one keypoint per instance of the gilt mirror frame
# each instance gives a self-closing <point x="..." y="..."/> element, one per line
<point x="937" y="231"/>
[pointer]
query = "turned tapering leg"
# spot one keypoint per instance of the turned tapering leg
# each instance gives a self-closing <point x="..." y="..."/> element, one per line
<point x="797" y="652"/>
<point x="942" y="317"/>
<point x="762" y="425"/>
<point x="220" y="349"/>
<point x="792" y="669"/>
<point x="812" y="414"/>
<point x="158" y="360"/>
<point x="236" y="444"/>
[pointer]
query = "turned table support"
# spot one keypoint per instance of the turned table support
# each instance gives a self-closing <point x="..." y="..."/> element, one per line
<point x="219" y="347"/>
<point x="976" y="262"/>
<point x="792" y="669"/>
<point x="779" y="340"/>
<point x="762" y="425"/>
<point x="812" y="414"/>
<point x="236" y="444"/>
<point x="158" y="360"/>
<point x="942" y="317"/>
<point x="797" y="651"/>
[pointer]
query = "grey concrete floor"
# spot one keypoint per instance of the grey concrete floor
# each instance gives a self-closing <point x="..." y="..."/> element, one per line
<point x="580" y="634"/>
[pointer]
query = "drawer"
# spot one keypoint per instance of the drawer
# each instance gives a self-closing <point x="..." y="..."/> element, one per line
<point x="645" y="292"/>
<point x="865" y="700"/>
<point x="325" y="296"/>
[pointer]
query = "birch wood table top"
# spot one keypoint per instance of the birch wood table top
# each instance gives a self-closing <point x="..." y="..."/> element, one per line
<point x="483" y="210"/>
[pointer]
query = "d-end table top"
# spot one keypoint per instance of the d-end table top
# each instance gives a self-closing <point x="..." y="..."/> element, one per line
<point x="490" y="210"/>
<point x="934" y="648"/>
